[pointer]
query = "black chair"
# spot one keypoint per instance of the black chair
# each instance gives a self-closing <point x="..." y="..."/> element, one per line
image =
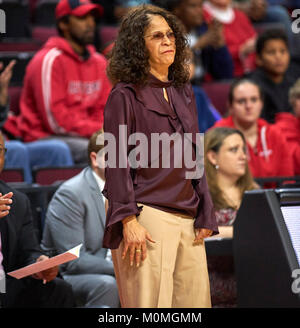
<point x="22" y="59"/>
<point x="17" y="16"/>
<point x="44" y="14"/>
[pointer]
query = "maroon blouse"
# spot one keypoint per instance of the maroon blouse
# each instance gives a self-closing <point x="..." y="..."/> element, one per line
<point x="145" y="110"/>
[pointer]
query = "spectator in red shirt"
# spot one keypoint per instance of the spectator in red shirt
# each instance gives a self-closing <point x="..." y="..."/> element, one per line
<point x="289" y="123"/>
<point x="239" y="33"/>
<point x="65" y="86"/>
<point x="268" y="150"/>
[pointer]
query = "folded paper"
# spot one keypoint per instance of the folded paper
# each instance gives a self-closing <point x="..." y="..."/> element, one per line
<point x="31" y="269"/>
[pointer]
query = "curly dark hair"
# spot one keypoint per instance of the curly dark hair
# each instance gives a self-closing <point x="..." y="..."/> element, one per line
<point x="129" y="59"/>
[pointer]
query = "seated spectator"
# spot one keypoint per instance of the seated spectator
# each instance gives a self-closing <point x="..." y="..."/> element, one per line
<point x="65" y="86"/>
<point x="212" y="59"/>
<point x="260" y="11"/>
<point x="33" y="154"/>
<point x="265" y="142"/>
<point x="275" y="73"/>
<point x="239" y="33"/>
<point x="289" y="123"/>
<point x="75" y="215"/>
<point x="228" y="177"/>
<point x="19" y="247"/>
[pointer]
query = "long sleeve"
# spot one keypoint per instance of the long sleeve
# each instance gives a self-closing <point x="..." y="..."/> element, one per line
<point x="206" y="217"/>
<point x="118" y="187"/>
<point x="55" y="105"/>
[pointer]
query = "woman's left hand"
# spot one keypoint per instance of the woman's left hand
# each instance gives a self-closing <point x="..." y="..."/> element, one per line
<point x="201" y="234"/>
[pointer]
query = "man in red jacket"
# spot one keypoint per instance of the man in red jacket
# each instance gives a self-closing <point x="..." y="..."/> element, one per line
<point x="269" y="153"/>
<point x="66" y="87"/>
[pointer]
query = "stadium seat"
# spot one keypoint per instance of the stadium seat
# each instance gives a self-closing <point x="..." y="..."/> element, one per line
<point x="43" y="33"/>
<point x="53" y="175"/>
<point x="108" y="34"/>
<point x="217" y="92"/>
<point x="19" y="45"/>
<point x="22" y="59"/>
<point x="12" y="175"/>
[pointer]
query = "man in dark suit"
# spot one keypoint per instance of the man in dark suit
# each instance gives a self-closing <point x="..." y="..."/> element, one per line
<point x="20" y="247"/>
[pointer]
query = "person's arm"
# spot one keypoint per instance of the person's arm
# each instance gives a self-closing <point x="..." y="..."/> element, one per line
<point x="118" y="189"/>
<point x="5" y="78"/>
<point x="65" y="220"/>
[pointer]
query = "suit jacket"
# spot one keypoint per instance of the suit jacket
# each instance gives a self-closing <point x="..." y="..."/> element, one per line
<point x="76" y="215"/>
<point x="19" y="239"/>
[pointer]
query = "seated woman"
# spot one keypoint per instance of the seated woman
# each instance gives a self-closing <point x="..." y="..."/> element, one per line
<point x="266" y="145"/>
<point x="239" y="33"/>
<point x="228" y="176"/>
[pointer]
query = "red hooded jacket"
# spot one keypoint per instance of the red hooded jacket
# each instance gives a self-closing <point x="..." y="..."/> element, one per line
<point x="63" y="94"/>
<point x="271" y="156"/>
<point x="290" y="127"/>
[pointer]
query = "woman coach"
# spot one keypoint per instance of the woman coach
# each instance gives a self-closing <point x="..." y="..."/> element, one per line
<point x="156" y="218"/>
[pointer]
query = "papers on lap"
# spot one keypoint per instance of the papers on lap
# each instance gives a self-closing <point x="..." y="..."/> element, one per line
<point x="28" y="270"/>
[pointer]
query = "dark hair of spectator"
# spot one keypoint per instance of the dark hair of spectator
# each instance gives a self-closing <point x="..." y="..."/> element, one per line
<point x="65" y="20"/>
<point x="237" y="83"/>
<point x="93" y="145"/>
<point x="169" y="5"/>
<point x="214" y="139"/>
<point x="129" y="59"/>
<point x="270" y="34"/>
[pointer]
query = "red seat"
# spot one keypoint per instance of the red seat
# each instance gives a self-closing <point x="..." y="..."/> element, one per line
<point x="51" y="175"/>
<point x="43" y="33"/>
<point x="218" y="92"/>
<point x="12" y="175"/>
<point x="20" y="45"/>
<point x="108" y="34"/>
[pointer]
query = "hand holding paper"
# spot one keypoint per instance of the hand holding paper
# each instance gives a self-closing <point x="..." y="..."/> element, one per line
<point x="45" y="267"/>
<point x="46" y="275"/>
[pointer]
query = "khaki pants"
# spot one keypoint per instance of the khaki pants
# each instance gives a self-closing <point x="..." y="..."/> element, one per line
<point x="174" y="274"/>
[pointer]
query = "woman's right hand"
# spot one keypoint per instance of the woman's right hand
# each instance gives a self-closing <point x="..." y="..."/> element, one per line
<point x="135" y="236"/>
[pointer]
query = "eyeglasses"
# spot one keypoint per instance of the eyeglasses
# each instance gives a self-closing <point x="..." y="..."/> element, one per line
<point x="3" y="150"/>
<point x="159" y="36"/>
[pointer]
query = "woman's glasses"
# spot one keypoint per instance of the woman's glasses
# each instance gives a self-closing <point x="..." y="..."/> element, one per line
<point x="159" y="36"/>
